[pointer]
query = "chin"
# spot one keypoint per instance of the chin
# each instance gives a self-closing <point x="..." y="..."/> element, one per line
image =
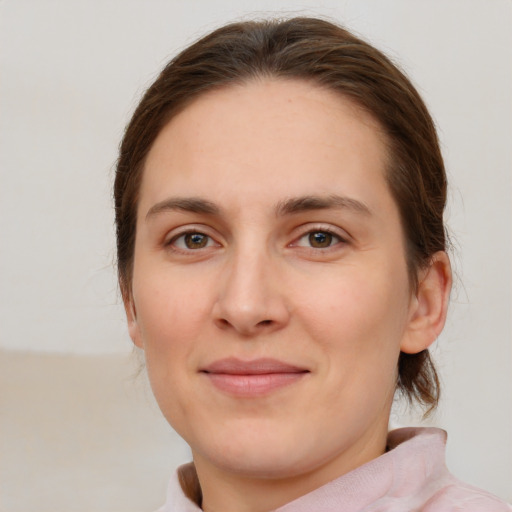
<point x="263" y="453"/>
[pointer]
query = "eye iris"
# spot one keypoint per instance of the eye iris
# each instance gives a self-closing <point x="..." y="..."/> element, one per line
<point x="320" y="239"/>
<point x="195" y="240"/>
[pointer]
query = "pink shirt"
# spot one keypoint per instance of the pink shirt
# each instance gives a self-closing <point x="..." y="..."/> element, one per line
<point x="411" y="477"/>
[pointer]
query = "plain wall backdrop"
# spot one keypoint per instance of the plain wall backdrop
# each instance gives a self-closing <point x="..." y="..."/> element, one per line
<point x="71" y="73"/>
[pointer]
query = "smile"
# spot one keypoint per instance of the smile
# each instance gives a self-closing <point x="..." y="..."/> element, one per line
<point x="252" y="378"/>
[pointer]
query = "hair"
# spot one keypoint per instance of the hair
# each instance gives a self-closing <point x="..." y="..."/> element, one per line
<point x="328" y="56"/>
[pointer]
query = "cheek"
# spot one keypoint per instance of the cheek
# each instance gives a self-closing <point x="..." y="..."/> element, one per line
<point x="359" y="319"/>
<point x="167" y="303"/>
<point x="170" y="315"/>
<point x="360" y="334"/>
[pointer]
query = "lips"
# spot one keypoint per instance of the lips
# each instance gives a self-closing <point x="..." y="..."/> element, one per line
<point x="252" y="378"/>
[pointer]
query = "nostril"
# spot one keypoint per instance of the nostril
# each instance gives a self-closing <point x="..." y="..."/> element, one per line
<point x="265" y="322"/>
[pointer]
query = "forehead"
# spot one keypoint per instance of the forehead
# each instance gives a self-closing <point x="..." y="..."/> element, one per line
<point x="267" y="137"/>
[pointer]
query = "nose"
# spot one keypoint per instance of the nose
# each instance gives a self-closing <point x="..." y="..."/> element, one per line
<point x="251" y="298"/>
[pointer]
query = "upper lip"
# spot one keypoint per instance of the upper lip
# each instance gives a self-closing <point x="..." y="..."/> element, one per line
<point x="262" y="366"/>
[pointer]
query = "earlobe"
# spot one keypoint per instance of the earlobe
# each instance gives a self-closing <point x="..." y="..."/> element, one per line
<point x="429" y="305"/>
<point x="131" y="317"/>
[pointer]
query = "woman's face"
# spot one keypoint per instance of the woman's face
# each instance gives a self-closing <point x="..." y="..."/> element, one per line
<point x="270" y="286"/>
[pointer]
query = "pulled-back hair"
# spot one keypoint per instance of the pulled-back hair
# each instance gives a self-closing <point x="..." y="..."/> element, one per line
<point x="328" y="56"/>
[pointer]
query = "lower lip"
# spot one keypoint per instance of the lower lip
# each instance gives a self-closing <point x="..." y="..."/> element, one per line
<point x="253" y="385"/>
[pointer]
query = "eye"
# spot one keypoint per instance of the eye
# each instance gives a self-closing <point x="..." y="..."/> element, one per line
<point x="191" y="241"/>
<point x="320" y="239"/>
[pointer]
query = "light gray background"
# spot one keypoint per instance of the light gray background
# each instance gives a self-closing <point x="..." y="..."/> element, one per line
<point x="77" y="433"/>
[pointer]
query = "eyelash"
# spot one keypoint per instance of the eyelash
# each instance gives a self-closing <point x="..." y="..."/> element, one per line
<point x="172" y="242"/>
<point x="335" y="239"/>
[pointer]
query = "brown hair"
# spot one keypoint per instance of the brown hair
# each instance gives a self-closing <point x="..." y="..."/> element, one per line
<point x="329" y="56"/>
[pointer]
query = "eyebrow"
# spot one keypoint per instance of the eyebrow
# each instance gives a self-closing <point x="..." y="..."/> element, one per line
<point x="287" y="207"/>
<point x="185" y="204"/>
<point x="308" y="203"/>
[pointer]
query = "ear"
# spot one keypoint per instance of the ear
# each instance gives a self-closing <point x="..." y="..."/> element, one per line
<point x="131" y="317"/>
<point x="428" y="305"/>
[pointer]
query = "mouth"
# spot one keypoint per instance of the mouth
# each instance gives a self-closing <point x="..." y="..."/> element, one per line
<point x="254" y="378"/>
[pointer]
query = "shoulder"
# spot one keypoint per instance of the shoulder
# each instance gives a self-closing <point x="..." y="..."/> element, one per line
<point x="459" y="496"/>
<point x="423" y="482"/>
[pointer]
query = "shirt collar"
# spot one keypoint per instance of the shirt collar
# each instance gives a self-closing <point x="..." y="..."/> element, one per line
<point x="410" y="469"/>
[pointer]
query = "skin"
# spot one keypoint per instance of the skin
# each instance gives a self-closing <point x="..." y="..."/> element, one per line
<point x="262" y="287"/>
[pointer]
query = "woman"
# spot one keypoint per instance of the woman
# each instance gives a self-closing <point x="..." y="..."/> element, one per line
<point x="279" y="206"/>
